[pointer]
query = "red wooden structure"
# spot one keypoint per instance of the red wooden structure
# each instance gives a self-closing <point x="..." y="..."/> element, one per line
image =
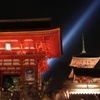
<point x="24" y="51"/>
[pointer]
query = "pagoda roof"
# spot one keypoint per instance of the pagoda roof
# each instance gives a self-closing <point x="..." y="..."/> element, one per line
<point x="91" y="72"/>
<point x="84" y="60"/>
<point x="24" y="24"/>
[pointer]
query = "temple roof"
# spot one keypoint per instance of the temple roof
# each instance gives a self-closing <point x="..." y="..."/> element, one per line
<point x="91" y="72"/>
<point x="84" y="60"/>
<point x="24" y="24"/>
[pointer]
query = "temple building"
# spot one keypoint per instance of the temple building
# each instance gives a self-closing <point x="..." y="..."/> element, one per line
<point x="84" y="78"/>
<point x="25" y="44"/>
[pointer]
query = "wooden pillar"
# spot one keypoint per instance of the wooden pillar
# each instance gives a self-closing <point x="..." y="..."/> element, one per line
<point x="22" y="70"/>
<point x="22" y="77"/>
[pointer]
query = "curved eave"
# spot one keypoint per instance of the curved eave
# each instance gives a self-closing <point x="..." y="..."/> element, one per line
<point x="87" y="62"/>
<point x="24" y="24"/>
<point x="52" y="37"/>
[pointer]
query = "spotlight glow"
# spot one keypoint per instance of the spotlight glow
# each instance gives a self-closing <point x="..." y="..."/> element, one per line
<point x="79" y="24"/>
<point x="74" y="30"/>
<point x="51" y="61"/>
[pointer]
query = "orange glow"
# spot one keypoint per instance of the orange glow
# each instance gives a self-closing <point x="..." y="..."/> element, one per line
<point x="85" y="91"/>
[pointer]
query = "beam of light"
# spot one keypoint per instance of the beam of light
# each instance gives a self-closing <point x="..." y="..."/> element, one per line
<point x="73" y="31"/>
<point x="78" y="25"/>
<point x="75" y="28"/>
<point x="52" y="61"/>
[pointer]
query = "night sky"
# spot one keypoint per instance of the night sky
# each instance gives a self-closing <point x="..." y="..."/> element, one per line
<point x="64" y="13"/>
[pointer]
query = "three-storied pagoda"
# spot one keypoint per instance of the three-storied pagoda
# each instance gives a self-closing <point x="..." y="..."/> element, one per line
<point x="84" y="77"/>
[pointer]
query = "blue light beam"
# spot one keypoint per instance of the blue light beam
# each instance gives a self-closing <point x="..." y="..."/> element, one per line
<point x="75" y="28"/>
<point x="79" y="24"/>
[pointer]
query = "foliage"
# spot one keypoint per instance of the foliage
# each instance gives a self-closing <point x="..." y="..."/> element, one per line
<point x="9" y="82"/>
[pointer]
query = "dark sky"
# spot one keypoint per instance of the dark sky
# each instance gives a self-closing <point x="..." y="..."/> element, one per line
<point x="64" y="13"/>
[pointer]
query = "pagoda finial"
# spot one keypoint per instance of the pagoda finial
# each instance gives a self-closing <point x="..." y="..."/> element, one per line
<point x="83" y="44"/>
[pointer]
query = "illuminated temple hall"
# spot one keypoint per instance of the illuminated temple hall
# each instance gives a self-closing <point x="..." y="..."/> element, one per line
<point x="84" y="79"/>
<point x="25" y="44"/>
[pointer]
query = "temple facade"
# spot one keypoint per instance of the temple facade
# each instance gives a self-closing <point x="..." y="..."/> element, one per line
<point x="25" y="44"/>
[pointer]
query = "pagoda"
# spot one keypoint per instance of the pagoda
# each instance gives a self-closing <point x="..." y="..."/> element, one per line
<point x="84" y="78"/>
<point x="25" y="44"/>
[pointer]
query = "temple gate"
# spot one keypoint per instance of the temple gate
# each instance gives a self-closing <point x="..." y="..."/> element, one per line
<point x="24" y="51"/>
